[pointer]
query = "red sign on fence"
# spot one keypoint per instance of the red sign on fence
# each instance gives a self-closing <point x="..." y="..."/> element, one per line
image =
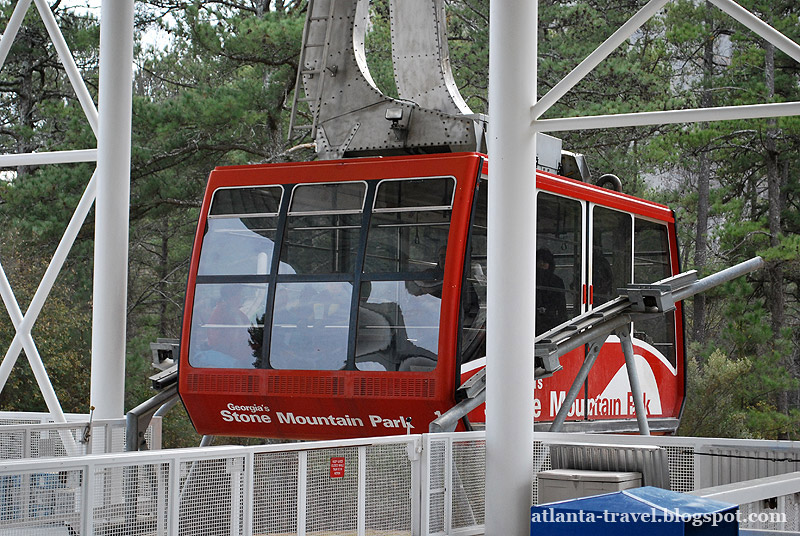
<point x="337" y="467"/>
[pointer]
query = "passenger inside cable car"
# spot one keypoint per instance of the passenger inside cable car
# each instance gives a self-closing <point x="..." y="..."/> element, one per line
<point x="551" y="305"/>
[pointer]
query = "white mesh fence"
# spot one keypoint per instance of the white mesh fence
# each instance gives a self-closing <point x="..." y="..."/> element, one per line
<point x="390" y="490"/>
<point x="338" y="489"/>
<point x="210" y="498"/>
<point x="456" y="471"/>
<point x="34" y="435"/>
<point x="428" y="485"/>
<point x="275" y="488"/>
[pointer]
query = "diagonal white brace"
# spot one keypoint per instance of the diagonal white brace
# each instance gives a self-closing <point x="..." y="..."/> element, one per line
<point x="12" y="29"/>
<point x="64" y="54"/>
<point x="624" y="334"/>
<point x="596" y="58"/>
<point x="760" y="27"/>
<point x="694" y="115"/>
<point x="48" y="280"/>
<point x="35" y="360"/>
<point x="49" y="157"/>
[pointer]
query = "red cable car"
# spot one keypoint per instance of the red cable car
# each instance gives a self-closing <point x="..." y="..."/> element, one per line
<point x="347" y="298"/>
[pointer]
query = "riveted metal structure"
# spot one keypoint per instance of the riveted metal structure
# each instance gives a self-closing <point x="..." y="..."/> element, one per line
<point x="352" y="117"/>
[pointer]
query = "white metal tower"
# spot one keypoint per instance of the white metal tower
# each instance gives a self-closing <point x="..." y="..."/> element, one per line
<point x="109" y="185"/>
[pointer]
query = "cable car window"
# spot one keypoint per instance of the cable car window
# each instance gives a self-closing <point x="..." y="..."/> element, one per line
<point x="323" y="228"/>
<point x="404" y="263"/>
<point x="473" y="291"/>
<point x="310" y="325"/>
<point x="240" y="232"/>
<point x="397" y="329"/>
<point x="651" y="264"/>
<point x="611" y="253"/>
<point x="327" y="198"/>
<point x="409" y="233"/>
<point x="559" y="258"/>
<point x="225" y="323"/>
<point x="415" y="193"/>
<point x="265" y="201"/>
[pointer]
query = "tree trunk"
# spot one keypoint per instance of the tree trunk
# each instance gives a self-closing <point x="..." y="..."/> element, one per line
<point x="775" y="269"/>
<point x="163" y="321"/>
<point x="703" y="184"/>
<point x="26" y="102"/>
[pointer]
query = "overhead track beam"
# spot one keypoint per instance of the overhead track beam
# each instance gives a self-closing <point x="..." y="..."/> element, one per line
<point x="695" y="115"/>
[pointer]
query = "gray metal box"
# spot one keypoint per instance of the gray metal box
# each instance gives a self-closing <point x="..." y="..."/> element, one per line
<point x="564" y="484"/>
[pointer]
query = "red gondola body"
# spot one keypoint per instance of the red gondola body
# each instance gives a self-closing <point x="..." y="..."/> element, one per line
<point x="317" y="308"/>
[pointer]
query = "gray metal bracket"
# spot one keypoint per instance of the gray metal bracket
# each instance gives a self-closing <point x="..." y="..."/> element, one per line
<point x="657" y="297"/>
<point x="138" y="419"/>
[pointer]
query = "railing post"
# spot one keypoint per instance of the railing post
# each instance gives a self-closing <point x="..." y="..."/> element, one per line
<point x="416" y="455"/>
<point x="249" y="492"/>
<point x="174" y="496"/>
<point x="361" y="514"/>
<point x="302" y="490"/>
<point x="87" y="508"/>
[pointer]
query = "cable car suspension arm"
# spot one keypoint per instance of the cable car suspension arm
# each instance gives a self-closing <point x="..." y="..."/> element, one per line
<point x="593" y="328"/>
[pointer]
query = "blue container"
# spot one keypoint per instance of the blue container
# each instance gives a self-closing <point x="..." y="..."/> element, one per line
<point x="644" y="511"/>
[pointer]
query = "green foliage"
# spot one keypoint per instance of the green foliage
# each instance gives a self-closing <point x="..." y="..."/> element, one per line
<point x="468" y="41"/>
<point x="714" y="392"/>
<point x="378" y="45"/>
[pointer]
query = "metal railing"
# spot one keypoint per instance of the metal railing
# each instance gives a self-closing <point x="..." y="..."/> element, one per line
<point x="427" y="485"/>
<point x="346" y="487"/>
<point x="34" y="435"/>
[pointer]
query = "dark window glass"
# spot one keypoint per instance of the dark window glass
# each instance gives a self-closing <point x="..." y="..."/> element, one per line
<point x="651" y="252"/>
<point x="322" y="244"/>
<point x="310" y="326"/>
<point x="327" y="198"/>
<point x="652" y="264"/>
<point x="226" y="325"/>
<point x="473" y="291"/>
<point x="559" y="258"/>
<point x="240" y="201"/>
<point x="612" y="253"/>
<point x="415" y="193"/>
<point x="406" y="241"/>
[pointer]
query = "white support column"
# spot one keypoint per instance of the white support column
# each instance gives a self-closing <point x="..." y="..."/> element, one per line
<point x="112" y="209"/>
<point x="512" y="267"/>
